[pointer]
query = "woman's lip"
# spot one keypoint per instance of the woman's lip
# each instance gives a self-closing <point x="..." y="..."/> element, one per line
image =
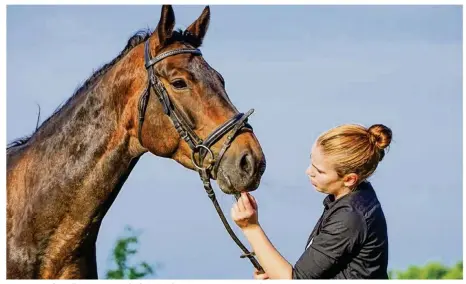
<point x="312" y="182"/>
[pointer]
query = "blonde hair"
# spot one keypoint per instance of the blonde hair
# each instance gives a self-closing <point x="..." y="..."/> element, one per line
<point x="354" y="149"/>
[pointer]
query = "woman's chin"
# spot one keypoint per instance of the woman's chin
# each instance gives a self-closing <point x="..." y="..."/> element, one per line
<point x="317" y="188"/>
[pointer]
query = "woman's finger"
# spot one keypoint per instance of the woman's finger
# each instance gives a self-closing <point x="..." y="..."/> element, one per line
<point x="260" y="276"/>
<point x="253" y="201"/>
<point x="234" y="211"/>
<point x="247" y="205"/>
<point x="241" y="204"/>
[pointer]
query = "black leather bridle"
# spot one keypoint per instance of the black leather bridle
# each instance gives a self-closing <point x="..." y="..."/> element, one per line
<point x="197" y="145"/>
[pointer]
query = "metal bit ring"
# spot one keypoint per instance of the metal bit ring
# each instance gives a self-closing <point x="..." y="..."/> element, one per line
<point x="196" y="149"/>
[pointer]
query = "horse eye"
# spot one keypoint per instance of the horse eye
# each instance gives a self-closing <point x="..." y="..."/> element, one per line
<point x="179" y="84"/>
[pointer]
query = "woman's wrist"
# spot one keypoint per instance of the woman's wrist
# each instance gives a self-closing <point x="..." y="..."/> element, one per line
<point x="251" y="228"/>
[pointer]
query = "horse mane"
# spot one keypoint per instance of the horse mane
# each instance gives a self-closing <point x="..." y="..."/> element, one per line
<point x="183" y="36"/>
<point x="139" y="37"/>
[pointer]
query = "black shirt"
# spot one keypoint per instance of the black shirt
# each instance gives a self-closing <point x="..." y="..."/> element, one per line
<point x="349" y="241"/>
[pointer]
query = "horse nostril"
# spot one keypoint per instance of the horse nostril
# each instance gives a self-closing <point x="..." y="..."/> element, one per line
<point x="246" y="163"/>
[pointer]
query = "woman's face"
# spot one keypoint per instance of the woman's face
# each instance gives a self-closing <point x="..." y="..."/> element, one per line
<point x="322" y="174"/>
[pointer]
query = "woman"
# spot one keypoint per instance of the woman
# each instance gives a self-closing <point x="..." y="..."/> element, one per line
<point x="350" y="239"/>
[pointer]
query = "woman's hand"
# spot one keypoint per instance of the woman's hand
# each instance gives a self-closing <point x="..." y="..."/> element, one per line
<point x="244" y="211"/>
<point x="260" y="276"/>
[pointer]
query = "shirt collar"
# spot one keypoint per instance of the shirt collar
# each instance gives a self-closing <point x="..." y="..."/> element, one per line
<point x="329" y="200"/>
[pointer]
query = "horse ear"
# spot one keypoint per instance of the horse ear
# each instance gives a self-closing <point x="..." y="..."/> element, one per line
<point x="166" y="23"/>
<point x="199" y="27"/>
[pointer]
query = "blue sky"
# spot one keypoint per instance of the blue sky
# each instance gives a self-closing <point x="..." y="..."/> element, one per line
<point x="304" y="69"/>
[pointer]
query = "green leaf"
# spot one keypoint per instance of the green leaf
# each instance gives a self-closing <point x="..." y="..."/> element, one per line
<point x="126" y="247"/>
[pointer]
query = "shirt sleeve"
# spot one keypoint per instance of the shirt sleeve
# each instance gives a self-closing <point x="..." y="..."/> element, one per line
<point x="340" y="234"/>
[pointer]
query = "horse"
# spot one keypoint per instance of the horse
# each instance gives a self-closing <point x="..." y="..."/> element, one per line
<point x="157" y="96"/>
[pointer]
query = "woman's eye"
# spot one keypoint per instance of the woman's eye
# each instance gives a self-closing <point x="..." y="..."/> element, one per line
<point x="179" y="84"/>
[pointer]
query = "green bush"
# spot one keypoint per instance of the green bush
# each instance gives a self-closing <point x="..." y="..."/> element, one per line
<point x="432" y="270"/>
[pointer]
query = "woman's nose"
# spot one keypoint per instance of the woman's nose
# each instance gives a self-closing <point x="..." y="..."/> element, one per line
<point x="309" y="171"/>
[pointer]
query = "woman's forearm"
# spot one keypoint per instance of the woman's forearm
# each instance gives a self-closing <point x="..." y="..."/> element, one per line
<point x="270" y="259"/>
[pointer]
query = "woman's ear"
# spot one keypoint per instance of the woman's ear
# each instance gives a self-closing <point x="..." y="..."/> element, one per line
<point x="350" y="180"/>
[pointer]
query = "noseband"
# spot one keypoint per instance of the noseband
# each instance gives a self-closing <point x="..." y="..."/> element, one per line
<point x="198" y="146"/>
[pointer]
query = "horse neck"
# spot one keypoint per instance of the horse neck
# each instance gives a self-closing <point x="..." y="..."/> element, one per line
<point x="76" y="163"/>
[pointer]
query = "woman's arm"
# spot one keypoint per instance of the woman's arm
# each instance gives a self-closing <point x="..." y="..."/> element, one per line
<point x="244" y="213"/>
<point x="271" y="260"/>
<point x="337" y="238"/>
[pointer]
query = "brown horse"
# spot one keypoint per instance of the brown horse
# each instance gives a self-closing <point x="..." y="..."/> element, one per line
<point x="158" y="95"/>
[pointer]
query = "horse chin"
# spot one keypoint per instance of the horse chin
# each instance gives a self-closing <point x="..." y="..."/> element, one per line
<point x="228" y="186"/>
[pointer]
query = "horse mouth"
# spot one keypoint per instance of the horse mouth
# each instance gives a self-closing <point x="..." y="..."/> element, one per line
<point x="226" y="184"/>
<point x="227" y="187"/>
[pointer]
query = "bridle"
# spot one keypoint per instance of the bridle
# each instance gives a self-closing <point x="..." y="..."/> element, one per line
<point x="198" y="146"/>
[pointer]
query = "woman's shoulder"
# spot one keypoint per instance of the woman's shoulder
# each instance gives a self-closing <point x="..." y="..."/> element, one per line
<point x="364" y="198"/>
<point x="363" y="202"/>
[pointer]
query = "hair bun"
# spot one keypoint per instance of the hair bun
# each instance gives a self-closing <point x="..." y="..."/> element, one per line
<point x="380" y="135"/>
